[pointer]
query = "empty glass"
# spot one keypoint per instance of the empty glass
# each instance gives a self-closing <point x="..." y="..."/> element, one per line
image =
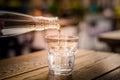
<point x="61" y="51"/>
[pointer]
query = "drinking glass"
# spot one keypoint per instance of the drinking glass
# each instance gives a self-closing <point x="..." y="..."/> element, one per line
<point x="61" y="50"/>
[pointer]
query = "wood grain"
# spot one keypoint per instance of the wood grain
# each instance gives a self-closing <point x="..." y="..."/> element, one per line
<point x="113" y="75"/>
<point x="89" y="65"/>
<point x="22" y="64"/>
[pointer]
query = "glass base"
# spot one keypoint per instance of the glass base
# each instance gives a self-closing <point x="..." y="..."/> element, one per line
<point x="61" y="72"/>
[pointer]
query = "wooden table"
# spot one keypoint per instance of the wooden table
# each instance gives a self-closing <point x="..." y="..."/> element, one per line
<point x="89" y="65"/>
<point x="112" y="39"/>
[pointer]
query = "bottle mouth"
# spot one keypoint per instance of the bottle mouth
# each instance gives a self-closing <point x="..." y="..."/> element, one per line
<point x="46" y="18"/>
<point x="46" y="23"/>
<point x="49" y="19"/>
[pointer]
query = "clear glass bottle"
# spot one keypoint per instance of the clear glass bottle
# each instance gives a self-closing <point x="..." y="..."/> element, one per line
<point x="12" y="23"/>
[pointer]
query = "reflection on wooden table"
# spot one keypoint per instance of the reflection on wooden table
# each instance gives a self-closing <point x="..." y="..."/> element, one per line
<point x="89" y="65"/>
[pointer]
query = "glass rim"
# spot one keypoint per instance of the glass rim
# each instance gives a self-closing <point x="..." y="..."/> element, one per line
<point x="62" y="37"/>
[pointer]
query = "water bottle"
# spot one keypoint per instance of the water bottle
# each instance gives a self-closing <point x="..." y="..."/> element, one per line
<point x="12" y="23"/>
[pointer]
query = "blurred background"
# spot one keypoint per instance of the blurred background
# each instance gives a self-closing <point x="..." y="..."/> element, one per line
<point x="87" y="19"/>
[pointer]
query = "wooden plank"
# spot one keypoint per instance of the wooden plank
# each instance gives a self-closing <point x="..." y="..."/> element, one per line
<point x="40" y="74"/>
<point x="43" y="75"/>
<point x="26" y="63"/>
<point x="84" y="67"/>
<point x="89" y="72"/>
<point x="89" y="59"/>
<point x="113" y="75"/>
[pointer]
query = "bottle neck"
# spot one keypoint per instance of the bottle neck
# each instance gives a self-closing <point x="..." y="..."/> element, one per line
<point x="43" y="23"/>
